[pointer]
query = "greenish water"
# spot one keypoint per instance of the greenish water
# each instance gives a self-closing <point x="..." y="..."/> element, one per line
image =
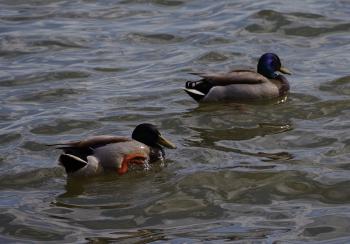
<point x="260" y="173"/>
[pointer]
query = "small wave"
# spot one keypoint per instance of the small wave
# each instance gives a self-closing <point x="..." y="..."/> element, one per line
<point x="43" y="77"/>
<point x="60" y="126"/>
<point x="159" y="38"/>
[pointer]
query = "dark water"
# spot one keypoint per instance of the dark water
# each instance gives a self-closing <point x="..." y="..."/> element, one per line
<point x="269" y="173"/>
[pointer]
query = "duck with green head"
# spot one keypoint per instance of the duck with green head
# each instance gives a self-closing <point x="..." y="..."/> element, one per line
<point x="242" y="85"/>
<point x="98" y="154"/>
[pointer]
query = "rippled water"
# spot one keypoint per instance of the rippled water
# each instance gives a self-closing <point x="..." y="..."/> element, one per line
<point x="260" y="173"/>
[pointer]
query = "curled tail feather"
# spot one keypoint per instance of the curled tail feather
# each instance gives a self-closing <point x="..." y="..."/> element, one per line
<point x="198" y="89"/>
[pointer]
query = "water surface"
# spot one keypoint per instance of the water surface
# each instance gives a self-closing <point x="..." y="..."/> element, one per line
<point x="257" y="172"/>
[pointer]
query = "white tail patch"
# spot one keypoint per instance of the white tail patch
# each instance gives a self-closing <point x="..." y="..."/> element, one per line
<point x="193" y="91"/>
<point x="93" y="161"/>
<point x="74" y="157"/>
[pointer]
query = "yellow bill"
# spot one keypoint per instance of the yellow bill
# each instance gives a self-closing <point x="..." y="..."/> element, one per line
<point x="285" y="71"/>
<point x="166" y="143"/>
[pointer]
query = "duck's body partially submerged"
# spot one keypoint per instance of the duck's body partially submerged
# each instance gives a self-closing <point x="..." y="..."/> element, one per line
<point x="242" y="85"/>
<point x="98" y="154"/>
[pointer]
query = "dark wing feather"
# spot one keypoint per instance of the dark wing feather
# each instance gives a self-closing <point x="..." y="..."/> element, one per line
<point x="233" y="77"/>
<point x="91" y="142"/>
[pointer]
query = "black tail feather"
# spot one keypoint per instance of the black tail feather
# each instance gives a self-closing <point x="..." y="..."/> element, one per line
<point x="202" y="86"/>
<point x="71" y="163"/>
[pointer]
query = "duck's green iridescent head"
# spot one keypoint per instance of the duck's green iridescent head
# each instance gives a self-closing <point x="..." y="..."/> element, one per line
<point x="150" y="136"/>
<point x="269" y="63"/>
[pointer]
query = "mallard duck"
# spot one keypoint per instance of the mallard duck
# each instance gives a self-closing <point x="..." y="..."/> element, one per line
<point x="242" y="85"/>
<point x="97" y="154"/>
